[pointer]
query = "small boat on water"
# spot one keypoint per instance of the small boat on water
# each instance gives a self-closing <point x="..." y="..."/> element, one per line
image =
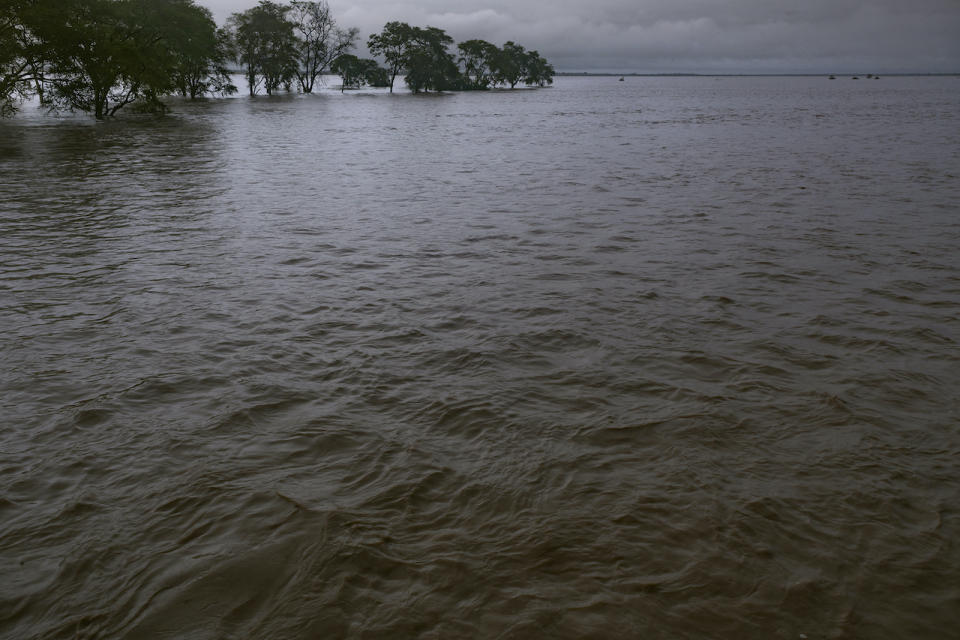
<point x="621" y="79"/>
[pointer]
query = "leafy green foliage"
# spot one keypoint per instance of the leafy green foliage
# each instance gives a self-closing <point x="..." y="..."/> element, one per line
<point x="423" y="54"/>
<point x="101" y="55"/>
<point x="358" y="72"/>
<point x="375" y="75"/>
<point x="266" y="46"/>
<point x="429" y="65"/>
<point x="477" y="58"/>
<point x="393" y="44"/>
<point x="106" y="54"/>
<point x="513" y="64"/>
<point x="18" y="54"/>
<point x="202" y="53"/>
<point x="510" y="64"/>
<point x="538" y="71"/>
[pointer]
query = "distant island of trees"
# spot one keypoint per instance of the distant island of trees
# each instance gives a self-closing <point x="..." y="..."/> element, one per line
<point x="99" y="56"/>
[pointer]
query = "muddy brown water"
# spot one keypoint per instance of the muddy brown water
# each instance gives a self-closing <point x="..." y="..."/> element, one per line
<point x="662" y="358"/>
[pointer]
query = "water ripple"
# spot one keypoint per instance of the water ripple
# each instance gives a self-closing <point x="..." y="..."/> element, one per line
<point x="672" y="358"/>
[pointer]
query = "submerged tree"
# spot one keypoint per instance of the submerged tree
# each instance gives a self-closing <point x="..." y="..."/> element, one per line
<point x="421" y="52"/>
<point x="429" y="64"/>
<point x="348" y="68"/>
<point x="20" y="64"/>
<point x="358" y="72"/>
<point x="538" y="71"/>
<point x="202" y="55"/>
<point x="102" y="55"/>
<point x="392" y="43"/>
<point x="319" y="40"/>
<point x="375" y="75"/>
<point x="477" y="58"/>
<point x="266" y="46"/>
<point x="510" y="65"/>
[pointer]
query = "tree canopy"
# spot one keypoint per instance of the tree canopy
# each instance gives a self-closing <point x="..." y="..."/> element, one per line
<point x="19" y="57"/>
<point x="392" y="44"/>
<point x="423" y="53"/>
<point x="430" y="66"/>
<point x="202" y="56"/>
<point x="478" y="59"/>
<point x="101" y="55"/>
<point x="358" y="72"/>
<point x="266" y="46"/>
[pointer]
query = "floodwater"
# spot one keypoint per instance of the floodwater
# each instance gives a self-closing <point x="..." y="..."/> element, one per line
<point x="661" y="358"/>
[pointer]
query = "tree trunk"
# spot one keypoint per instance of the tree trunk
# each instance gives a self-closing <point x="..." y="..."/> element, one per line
<point x="100" y="104"/>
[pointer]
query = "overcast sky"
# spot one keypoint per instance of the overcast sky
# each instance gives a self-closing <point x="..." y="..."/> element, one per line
<point x="691" y="36"/>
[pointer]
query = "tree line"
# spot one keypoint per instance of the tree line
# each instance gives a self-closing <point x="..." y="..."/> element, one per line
<point x="100" y="56"/>
<point x="428" y="64"/>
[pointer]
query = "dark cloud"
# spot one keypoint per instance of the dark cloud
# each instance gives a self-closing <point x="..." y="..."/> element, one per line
<point x="690" y="35"/>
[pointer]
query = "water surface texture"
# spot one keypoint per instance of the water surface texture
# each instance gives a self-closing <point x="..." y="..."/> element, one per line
<point x="661" y="358"/>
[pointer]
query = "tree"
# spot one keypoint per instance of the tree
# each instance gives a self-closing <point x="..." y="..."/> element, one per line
<point x="202" y="52"/>
<point x="476" y="59"/>
<point x="357" y="72"/>
<point x="392" y="44"/>
<point x="101" y="55"/>
<point x="266" y="46"/>
<point x="422" y="52"/>
<point x="244" y="47"/>
<point x="375" y="75"/>
<point x="319" y="40"/>
<point x="510" y="65"/>
<point x="105" y="54"/>
<point x="21" y="64"/>
<point x="538" y="71"/>
<point x="347" y="67"/>
<point x="429" y="64"/>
